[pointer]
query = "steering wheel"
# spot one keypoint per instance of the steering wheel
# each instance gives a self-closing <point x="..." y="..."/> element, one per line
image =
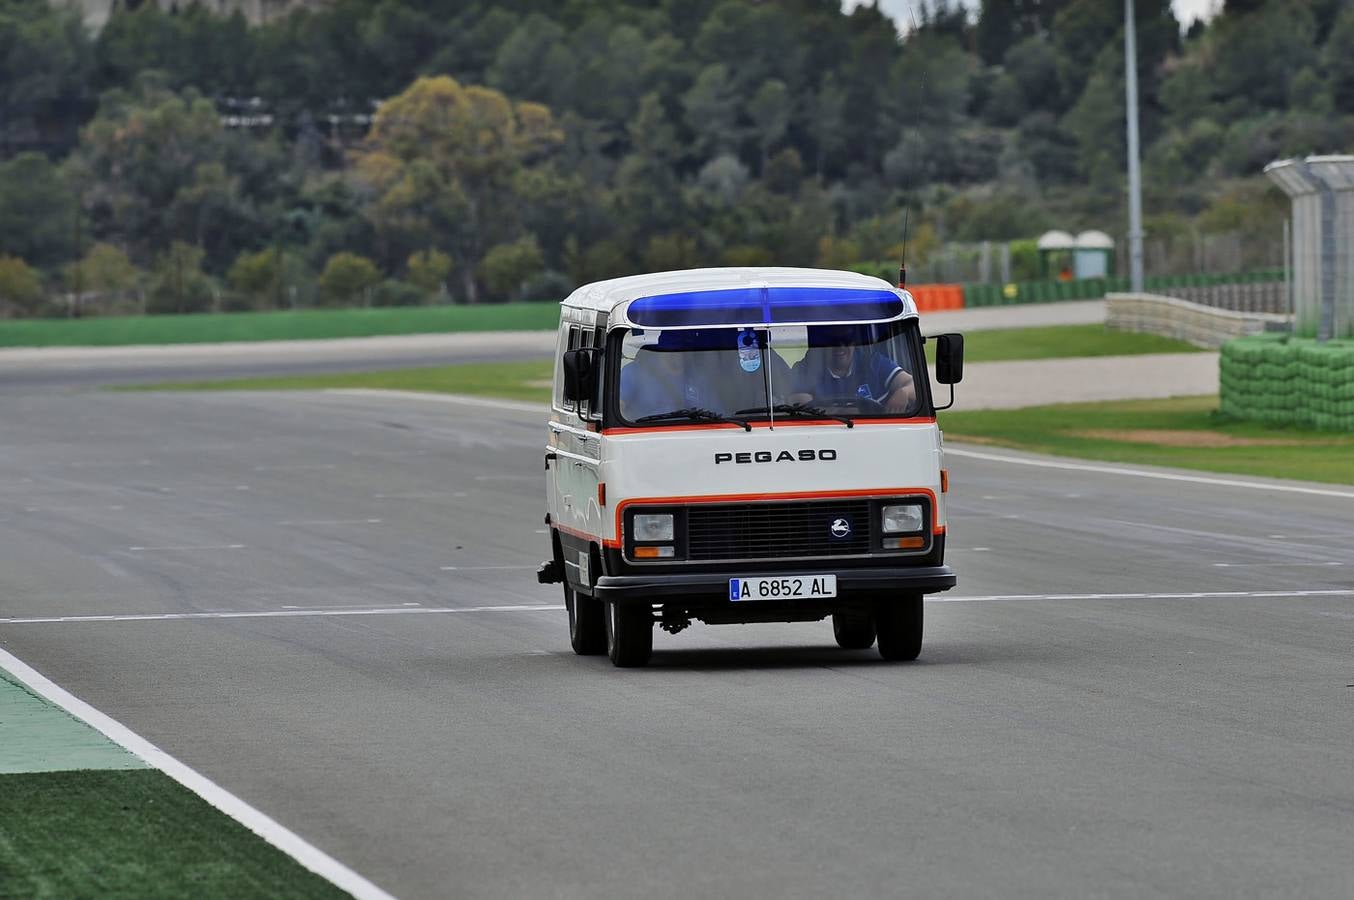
<point x="864" y="404"/>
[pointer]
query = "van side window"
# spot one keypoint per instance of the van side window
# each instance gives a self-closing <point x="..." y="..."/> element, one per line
<point x="569" y="341"/>
<point x="592" y="408"/>
<point x="574" y="342"/>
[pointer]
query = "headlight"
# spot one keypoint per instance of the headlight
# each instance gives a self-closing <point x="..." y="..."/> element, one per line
<point x="903" y="518"/>
<point x="654" y="527"/>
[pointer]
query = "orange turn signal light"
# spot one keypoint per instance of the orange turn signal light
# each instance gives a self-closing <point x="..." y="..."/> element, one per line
<point x="915" y="542"/>
<point x="653" y="553"/>
<point x="944" y="481"/>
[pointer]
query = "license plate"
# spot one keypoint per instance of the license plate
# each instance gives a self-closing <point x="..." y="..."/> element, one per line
<point x="789" y="587"/>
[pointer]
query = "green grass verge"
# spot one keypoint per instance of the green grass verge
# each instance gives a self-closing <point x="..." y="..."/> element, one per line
<point x="276" y="326"/>
<point x="529" y="380"/>
<point x="133" y="833"/>
<point x="514" y="380"/>
<point x="1060" y="341"/>
<point x="1184" y="432"/>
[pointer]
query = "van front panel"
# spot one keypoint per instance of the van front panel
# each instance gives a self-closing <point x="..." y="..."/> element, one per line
<point x="795" y="466"/>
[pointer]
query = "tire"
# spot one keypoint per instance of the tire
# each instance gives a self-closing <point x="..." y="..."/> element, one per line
<point x="899" y="626"/>
<point x="629" y="634"/>
<point x="853" y="632"/>
<point x="587" y="623"/>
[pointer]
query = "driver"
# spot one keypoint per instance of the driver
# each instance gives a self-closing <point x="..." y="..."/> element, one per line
<point x="838" y="369"/>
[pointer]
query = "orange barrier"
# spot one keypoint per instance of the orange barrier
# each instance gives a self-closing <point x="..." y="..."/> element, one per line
<point x="937" y="297"/>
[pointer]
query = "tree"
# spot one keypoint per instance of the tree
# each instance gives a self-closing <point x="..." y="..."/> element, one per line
<point x="1340" y="62"/>
<point x="441" y="151"/>
<point x="258" y="276"/>
<point x="930" y="81"/>
<point x="20" y="287"/>
<point x="178" y="284"/>
<point x="826" y="121"/>
<point x="671" y="252"/>
<point x="44" y="74"/>
<point x="507" y="267"/>
<point x="154" y="166"/>
<point x="997" y="29"/>
<point x="37" y="210"/>
<point x="1256" y="55"/>
<point x="104" y="269"/>
<point x="348" y="279"/>
<point x="535" y="62"/>
<point x="428" y="271"/>
<point x="770" y="112"/>
<point x="1096" y="121"/>
<point x="1032" y="64"/>
<point x="712" y="111"/>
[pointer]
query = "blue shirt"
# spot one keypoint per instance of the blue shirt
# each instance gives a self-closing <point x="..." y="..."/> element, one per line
<point x="646" y="390"/>
<point x="868" y="377"/>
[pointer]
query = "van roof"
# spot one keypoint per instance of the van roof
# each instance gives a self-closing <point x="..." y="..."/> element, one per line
<point x="608" y="296"/>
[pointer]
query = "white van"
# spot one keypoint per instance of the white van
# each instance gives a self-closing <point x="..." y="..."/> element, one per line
<point x="745" y="445"/>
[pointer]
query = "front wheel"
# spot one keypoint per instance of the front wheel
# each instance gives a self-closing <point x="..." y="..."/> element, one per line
<point x="899" y="626"/>
<point x="629" y="634"/>
<point x="587" y="623"/>
<point x="853" y="632"/>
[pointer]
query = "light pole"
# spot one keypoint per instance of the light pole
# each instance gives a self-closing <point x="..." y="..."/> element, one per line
<point x="1134" y="173"/>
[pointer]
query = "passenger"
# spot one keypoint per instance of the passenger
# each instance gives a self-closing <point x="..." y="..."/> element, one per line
<point x="840" y="371"/>
<point x="659" y="379"/>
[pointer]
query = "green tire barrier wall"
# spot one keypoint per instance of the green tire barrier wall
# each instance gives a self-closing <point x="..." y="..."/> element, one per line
<point x="1078" y="289"/>
<point x="1095" y="288"/>
<point x="1283" y="380"/>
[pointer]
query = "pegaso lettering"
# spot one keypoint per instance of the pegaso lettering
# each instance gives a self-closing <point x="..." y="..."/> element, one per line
<point x="768" y="456"/>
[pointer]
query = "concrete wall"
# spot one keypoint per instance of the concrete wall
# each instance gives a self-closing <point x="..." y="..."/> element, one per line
<point x="1202" y="326"/>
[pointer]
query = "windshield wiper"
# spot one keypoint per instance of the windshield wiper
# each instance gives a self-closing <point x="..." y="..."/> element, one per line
<point x="695" y="412"/>
<point x="794" y="410"/>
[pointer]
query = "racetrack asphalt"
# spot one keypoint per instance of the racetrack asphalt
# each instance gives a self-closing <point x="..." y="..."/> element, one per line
<point x="1140" y="687"/>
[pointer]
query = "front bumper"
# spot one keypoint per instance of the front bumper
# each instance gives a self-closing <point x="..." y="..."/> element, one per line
<point x="713" y="587"/>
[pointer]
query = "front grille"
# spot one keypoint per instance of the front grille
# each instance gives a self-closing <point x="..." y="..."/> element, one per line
<point x="778" y="530"/>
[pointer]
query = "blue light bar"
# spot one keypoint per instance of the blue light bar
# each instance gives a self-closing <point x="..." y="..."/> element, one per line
<point x="769" y="306"/>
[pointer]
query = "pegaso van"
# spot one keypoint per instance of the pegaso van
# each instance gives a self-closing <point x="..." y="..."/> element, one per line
<point x="745" y="445"/>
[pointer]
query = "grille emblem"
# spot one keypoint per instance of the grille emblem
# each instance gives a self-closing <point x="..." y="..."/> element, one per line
<point x="840" y="528"/>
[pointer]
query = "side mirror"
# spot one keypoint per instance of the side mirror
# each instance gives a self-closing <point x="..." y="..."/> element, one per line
<point x="580" y="373"/>
<point x="949" y="358"/>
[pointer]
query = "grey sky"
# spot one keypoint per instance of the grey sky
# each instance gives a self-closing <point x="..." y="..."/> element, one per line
<point x="1185" y="10"/>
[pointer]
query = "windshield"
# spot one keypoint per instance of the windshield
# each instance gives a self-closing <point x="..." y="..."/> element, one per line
<point x="677" y="376"/>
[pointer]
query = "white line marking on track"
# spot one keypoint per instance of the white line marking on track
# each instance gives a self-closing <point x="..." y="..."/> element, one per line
<point x="481" y="568"/>
<point x="199" y="547"/>
<point x="272" y="831"/>
<point x="271" y="614"/>
<point x="1310" y="565"/>
<point x="1142" y="473"/>
<point x="461" y="399"/>
<point x="292" y="613"/>
<point x="1184" y="595"/>
<point x="331" y="522"/>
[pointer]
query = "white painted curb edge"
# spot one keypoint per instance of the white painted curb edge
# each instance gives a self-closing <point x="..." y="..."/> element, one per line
<point x="290" y="843"/>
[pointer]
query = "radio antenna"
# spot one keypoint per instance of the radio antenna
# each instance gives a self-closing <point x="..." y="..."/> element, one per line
<point x="902" y="263"/>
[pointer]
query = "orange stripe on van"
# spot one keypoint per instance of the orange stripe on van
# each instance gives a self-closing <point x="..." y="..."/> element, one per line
<point x="780" y="423"/>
